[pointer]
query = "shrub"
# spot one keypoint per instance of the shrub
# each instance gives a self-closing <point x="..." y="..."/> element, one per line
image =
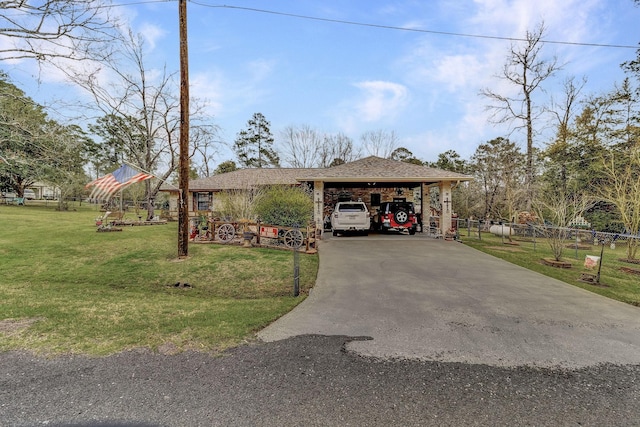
<point x="238" y="204"/>
<point x="285" y="206"/>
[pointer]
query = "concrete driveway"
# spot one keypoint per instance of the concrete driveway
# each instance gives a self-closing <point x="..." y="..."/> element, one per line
<point x="419" y="298"/>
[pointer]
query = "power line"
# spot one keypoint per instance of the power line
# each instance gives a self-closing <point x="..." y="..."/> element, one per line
<point x="370" y="25"/>
<point x="416" y="30"/>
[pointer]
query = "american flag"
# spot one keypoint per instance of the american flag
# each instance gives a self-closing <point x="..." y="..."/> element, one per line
<point x="119" y="179"/>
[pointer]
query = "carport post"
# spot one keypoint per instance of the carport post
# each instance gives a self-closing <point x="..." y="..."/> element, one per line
<point x="445" y="206"/>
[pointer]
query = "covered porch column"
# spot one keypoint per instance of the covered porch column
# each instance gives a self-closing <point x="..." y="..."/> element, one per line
<point x="318" y="206"/>
<point x="445" y="206"/>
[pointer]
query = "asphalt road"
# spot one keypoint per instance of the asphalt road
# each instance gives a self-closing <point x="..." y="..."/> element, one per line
<point x="336" y="380"/>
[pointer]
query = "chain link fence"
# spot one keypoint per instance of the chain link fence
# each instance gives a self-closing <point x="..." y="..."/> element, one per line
<point x="534" y="234"/>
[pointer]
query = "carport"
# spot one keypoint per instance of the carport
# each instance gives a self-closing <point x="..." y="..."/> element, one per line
<point x="374" y="179"/>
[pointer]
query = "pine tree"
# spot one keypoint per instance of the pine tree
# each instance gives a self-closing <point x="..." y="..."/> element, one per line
<point x="254" y="145"/>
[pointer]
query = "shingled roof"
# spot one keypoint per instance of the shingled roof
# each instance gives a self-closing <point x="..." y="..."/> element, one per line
<point x="364" y="170"/>
<point x="377" y="169"/>
<point x="246" y="178"/>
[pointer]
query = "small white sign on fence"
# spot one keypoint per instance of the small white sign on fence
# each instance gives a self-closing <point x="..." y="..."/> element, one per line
<point x="269" y="232"/>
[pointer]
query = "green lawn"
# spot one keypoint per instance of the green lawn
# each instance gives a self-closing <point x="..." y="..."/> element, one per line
<point x="615" y="283"/>
<point x="64" y="288"/>
<point x="98" y="293"/>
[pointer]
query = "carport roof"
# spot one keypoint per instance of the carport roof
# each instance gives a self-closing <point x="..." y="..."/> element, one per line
<point x="381" y="170"/>
<point x="368" y="169"/>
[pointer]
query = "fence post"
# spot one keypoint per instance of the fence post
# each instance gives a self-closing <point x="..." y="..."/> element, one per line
<point x="600" y="263"/>
<point x="296" y="268"/>
<point x="533" y="236"/>
<point x="258" y="232"/>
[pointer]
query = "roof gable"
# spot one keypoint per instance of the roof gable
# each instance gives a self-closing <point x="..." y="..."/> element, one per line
<point x="373" y="167"/>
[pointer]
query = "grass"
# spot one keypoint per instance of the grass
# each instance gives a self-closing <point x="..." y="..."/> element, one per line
<point x="64" y="288"/>
<point x="615" y="283"/>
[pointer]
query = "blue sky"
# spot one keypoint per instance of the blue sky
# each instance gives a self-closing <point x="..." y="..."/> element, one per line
<point x="338" y="77"/>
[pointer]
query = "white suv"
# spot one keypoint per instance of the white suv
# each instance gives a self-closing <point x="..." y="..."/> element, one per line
<point x="350" y="216"/>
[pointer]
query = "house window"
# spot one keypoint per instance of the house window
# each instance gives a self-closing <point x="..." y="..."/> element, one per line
<point x="203" y="201"/>
<point x="375" y="199"/>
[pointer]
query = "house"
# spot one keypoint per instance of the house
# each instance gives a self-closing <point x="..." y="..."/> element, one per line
<point x="371" y="179"/>
<point x="45" y="191"/>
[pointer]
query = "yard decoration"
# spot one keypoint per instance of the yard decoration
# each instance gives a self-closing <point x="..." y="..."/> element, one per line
<point x="265" y="235"/>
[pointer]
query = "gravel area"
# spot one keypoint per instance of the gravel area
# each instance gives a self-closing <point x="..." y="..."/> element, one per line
<point x="308" y="380"/>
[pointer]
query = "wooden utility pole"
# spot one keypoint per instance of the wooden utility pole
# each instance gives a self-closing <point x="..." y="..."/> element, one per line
<point x="183" y="167"/>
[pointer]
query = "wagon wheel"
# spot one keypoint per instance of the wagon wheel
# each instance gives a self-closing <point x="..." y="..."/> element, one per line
<point x="226" y="233"/>
<point x="293" y="239"/>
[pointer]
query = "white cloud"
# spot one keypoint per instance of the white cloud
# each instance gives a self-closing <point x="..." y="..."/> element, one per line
<point x="380" y="99"/>
<point x="207" y="86"/>
<point x="569" y="20"/>
<point x="151" y="34"/>
<point x="458" y="71"/>
<point x="260" y="69"/>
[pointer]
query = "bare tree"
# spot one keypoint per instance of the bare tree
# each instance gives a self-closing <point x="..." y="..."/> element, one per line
<point x="206" y="150"/>
<point x="623" y="190"/>
<point x="498" y="166"/>
<point x="337" y="149"/>
<point x="527" y="70"/>
<point x="141" y="114"/>
<point x="563" y="112"/>
<point x="560" y="209"/>
<point x="380" y="143"/>
<point x="301" y="146"/>
<point x="48" y="29"/>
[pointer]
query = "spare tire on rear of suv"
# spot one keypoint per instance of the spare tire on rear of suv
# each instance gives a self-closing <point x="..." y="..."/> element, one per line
<point x="401" y="216"/>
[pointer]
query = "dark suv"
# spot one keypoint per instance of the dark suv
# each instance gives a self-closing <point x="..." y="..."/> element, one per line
<point x="396" y="216"/>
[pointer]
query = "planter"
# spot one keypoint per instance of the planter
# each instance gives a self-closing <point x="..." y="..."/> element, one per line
<point x="630" y="270"/>
<point x="630" y="261"/>
<point x="580" y="247"/>
<point x="557" y="264"/>
<point x="247" y="236"/>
